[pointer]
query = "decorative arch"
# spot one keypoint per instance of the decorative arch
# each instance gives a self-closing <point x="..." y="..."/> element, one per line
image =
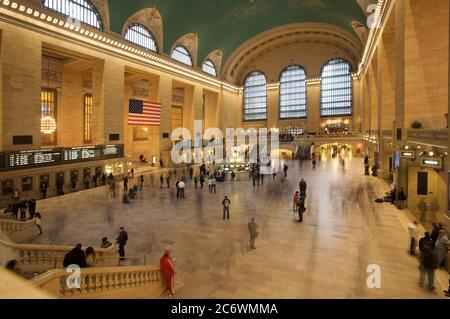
<point x="140" y="35"/>
<point x="336" y="88"/>
<point x="216" y="57"/>
<point x="255" y="97"/>
<point x="151" y="19"/>
<point x="100" y="7"/>
<point x="329" y="38"/>
<point x="182" y="54"/>
<point x="190" y="42"/>
<point x="209" y="67"/>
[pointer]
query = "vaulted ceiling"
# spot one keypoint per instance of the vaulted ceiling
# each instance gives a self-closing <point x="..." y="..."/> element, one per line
<point x="226" y="24"/>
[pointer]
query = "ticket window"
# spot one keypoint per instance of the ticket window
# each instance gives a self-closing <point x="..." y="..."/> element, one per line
<point x="44" y="179"/>
<point x="98" y="171"/>
<point x="27" y="184"/>
<point x="7" y="187"/>
<point x="118" y="169"/>
<point x="60" y="177"/>
<point x="74" y="175"/>
<point x="86" y="173"/>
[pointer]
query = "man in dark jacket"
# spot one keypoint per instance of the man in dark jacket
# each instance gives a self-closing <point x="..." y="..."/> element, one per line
<point x="435" y="232"/>
<point x="425" y="241"/>
<point x="75" y="257"/>
<point x="303" y="186"/>
<point x="122" y="241"/>
<point x="428" y="265"/>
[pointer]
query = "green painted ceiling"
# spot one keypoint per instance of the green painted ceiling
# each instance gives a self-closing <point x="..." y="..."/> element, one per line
<point x="226" y="24"/>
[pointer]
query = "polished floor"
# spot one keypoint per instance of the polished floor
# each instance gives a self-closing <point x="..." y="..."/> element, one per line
<point x="327" y="256"/>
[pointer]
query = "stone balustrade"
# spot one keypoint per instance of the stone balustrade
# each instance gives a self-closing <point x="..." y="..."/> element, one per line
<point x="9" y="226"/>
<point x="40" y="258"/>
<point x="111" y="282"/>
<point x="435" y="136"/>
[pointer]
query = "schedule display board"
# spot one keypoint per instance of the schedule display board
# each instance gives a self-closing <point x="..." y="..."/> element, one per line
<point x="50" y="157"/>
<point x="30" y="159"/>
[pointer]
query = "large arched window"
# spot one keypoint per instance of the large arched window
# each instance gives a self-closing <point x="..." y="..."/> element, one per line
<point x="293" y="93"/>
<point x="140" y="35"/>
<point x="336" y="94"/>
<point x="82" y="10"/>
<point x="255" y="97"/>
<point x="208" y="67"/>
<point x="181" y="54"/>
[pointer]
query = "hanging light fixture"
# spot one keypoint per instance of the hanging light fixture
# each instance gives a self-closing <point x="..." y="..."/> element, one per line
<point x="48" y="125"/>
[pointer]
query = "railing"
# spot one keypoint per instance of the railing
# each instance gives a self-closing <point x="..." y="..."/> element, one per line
<point x="9" y="226"/>
<point x="40" y="258"/>
<point x="113" y="282"/>
<point x="429" y="134"/>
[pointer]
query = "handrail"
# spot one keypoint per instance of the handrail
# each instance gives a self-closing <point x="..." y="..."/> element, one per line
<point x="44" y="257"/>
<point x="103" y="282"/>
<point x="11" y="226"/>
<point x="429" y="134"/>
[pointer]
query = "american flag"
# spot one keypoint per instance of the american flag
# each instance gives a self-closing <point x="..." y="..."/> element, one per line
<point x="142" y="113"/>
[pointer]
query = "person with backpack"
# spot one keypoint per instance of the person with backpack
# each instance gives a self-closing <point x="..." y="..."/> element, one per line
<point x="226" y="203"/>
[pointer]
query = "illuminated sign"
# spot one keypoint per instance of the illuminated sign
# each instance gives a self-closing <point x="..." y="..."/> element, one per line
<point x="408" y="154"/>
<point x="27" y="159"/>
<point x="432" y="163"/>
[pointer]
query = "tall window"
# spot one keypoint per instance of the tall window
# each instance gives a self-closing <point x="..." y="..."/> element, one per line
<point x="87" y="118"/>
<point x="255" y="97"/>
<point x="48" y="110"/>
<point x="208" y="67"/>
<point x="293" y="93"/>
<point x="336" y="94"/>
<point x="140" y="35"/>
<point x="82" y="10"/>
<point x="181" y="54"/>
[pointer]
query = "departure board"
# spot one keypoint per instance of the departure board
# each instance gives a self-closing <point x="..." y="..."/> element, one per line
<point x="31" y="159"/>
<point x="82" y="154"/>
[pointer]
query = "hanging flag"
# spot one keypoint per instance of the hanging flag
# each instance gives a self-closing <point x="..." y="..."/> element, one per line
<point x="142" y="113"/>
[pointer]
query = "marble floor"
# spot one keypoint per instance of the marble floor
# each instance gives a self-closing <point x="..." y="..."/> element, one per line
<point x="327" y="256"/>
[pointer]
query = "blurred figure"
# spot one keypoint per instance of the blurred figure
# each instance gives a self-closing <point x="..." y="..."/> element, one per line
<point x="168" y="271"/>
<point x="413" y="235"/>
<point x="253" y="230"/>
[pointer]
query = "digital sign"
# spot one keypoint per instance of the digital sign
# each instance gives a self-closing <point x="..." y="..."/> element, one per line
<point x="33" y="158"/>
<point x="408" y="154"/>
<point x="50" y="157"/>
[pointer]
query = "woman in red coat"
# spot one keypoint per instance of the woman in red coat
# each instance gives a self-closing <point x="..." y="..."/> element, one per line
<point x="168" y="271"/>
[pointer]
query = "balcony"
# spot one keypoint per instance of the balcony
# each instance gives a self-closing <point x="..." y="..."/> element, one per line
<point x="434" y="137"/>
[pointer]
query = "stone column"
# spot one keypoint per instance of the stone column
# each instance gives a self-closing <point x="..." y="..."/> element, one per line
<point x="273" y="107"/>
<point x="399" y="69"/>
<point x="108" y="97"/>
<point x="165" y="98"/>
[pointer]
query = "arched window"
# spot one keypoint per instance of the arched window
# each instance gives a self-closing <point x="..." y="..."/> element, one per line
<point x="140" y="35"/>
<point x="208" y="67"/>
<point x="336" y="94"/>
<point x="181" y="54"/>
<point x="293" y="93"/>
<point x="255" y="97"/>
<point x="82" y="10"/>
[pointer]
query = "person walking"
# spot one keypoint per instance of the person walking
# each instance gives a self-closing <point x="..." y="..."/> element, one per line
<point x="296" y="200"/>
<point x="303" y="187"/>
<point x="413" y="235"/>
<point x="226" y="203"/>
<point x="301" y="207"/>
<point x="425" y="241"/>
<point x="32" y="208"/>
<point x="441" y="247"/>
<point x="196" y="182"/>
<point x="181" y="186"/>
<point x="94" y="179"/>
<point x="161" y="181"/>
<point x="23" y="210"/>
<point x="141" y="182"/>
<point x="168" y="181"/>
<point x="122" y="241"/>
<point x="435" y="232"/>
<point x="285" y="169"/>
<point x="233" y="176"/>
<point x="15" y="210"/>
<point x="44" y="187"/>
<point x="125" y="183"/>
<point x="37" y="222"/>
<point x="213" y="184"/>
<point x="253" y="230"/>
<point x="16" y="195"/>
<point x="191" y="173"/>
<point x="167" y="266"/>
<point x="202" y="180"/>
<point x="428" y="266"/>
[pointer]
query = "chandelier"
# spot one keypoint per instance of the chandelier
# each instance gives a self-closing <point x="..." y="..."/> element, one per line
<point x="48" y="125"/>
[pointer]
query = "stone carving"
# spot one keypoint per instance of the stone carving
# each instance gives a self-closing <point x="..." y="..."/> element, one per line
<point x="140" y="92"/>
<point x="361" y="30"/>
<point x="52" y="77"/>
